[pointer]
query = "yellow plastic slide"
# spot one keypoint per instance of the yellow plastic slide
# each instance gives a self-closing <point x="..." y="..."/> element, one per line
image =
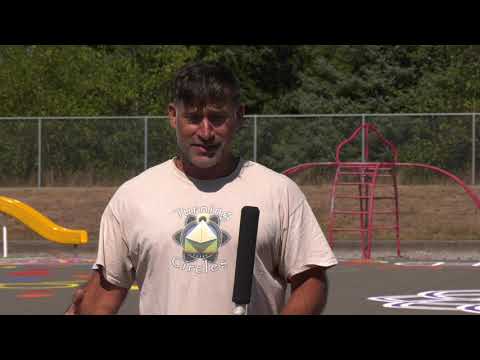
<point x="41" y="224"/>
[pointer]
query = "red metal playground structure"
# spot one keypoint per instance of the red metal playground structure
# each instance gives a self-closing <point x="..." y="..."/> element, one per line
<point x="366" y="175"/>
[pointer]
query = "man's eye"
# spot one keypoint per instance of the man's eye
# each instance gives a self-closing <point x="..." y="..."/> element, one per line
<point x="194" y="119"/>
<point x="217" y="119"/>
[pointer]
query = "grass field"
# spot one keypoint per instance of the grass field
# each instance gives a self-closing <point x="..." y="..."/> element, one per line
<point x="427" y="212"/>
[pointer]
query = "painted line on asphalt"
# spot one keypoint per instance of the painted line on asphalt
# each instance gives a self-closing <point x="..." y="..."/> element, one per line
<point x="410" y="264"/>
<point x="50" y="285"/>
<point x="34" y="295"/>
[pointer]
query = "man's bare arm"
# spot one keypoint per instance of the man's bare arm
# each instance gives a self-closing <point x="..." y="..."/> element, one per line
<point x="309" y="293"/>
<point x="98" y="297"/>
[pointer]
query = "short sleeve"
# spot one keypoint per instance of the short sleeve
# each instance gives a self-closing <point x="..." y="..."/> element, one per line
<point x="113" y="253"/>
<point x="303" y="243"/>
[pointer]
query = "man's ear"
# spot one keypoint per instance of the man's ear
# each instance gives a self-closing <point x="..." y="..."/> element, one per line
<point x="172" y="115"/>
<point x="241" y="115"/>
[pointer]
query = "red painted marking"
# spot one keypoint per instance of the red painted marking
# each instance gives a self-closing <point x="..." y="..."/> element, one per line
<point x="32" y="295"/>
<point x="30" y="273"/>
<point x="81" y="276"/>
<point x="361" y="262"/>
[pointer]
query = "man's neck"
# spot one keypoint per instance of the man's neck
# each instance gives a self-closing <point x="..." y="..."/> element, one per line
<point x="221" y="170"/>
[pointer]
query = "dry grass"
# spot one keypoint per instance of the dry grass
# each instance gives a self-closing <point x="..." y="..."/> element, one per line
<point x="428" y="212"/>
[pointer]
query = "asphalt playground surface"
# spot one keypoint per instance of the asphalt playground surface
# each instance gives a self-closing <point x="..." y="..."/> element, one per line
<point x="42" y="283"/>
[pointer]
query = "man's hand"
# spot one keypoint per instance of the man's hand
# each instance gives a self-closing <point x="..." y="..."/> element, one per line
<point x="76" y="301"/>
<point x="98" y="297"/>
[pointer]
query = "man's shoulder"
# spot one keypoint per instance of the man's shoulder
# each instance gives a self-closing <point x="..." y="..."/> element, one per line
<point x="277" y="188"/>
<point x="151" y="177"/>
<point x="263" y="174"/>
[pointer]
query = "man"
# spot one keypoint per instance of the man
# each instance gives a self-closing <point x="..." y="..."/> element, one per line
<point x="174" y="229"/>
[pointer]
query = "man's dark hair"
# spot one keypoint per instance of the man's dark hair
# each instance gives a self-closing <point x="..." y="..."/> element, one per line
<point x="199" y="84"/>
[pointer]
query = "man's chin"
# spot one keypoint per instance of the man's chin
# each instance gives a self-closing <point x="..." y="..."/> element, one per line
<point x="204" y="162"/>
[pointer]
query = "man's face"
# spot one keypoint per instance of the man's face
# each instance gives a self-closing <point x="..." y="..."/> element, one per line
<point x="204" y="135"/>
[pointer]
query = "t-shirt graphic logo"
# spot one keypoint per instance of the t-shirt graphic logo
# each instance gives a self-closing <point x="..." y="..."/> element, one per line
<point x="201" y="238"/>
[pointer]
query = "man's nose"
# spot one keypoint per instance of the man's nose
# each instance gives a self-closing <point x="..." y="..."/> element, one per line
<point x="205" y="130"/>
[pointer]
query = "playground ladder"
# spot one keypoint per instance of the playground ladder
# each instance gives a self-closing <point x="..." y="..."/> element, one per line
<point x="368" y="174"/>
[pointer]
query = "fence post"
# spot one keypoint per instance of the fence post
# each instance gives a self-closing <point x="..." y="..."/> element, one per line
<point x="474" y="149"/>
<point x="5" y="242"/>
<point x="146" y="144"/>
<point x="3" y="224"/>
<point x="39" y="165"/>
<point x="363" y="138"/>
<point x="255" y="138"/>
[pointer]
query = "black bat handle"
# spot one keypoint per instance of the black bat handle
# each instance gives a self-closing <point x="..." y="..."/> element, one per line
<point x="247" y="243"/>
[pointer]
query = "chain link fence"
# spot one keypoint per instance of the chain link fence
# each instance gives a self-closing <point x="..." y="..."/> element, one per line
<point x="106" y="151"/>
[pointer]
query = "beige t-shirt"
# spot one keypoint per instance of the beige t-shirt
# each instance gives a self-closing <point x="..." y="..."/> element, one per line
<point x="177" y="237"/>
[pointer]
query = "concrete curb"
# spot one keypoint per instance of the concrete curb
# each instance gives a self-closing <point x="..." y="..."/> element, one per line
<point x="468" y="250"/>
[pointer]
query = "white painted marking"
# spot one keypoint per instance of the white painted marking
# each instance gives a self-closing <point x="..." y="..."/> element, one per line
<point x="452" y="300"/>
<point x="476" y="265"/>
<point x="438" y="264"/>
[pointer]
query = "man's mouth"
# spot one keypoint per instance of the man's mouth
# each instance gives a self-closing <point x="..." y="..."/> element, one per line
<point x="207" y="148"/>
